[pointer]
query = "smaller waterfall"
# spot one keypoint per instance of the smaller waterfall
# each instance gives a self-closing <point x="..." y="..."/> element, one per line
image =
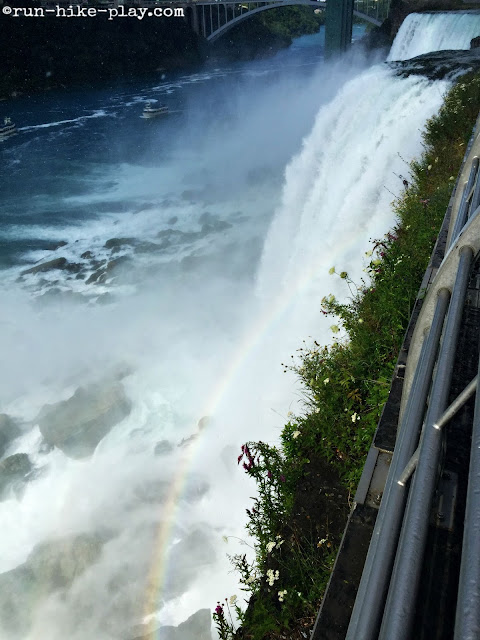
<point x="425" y="32"/>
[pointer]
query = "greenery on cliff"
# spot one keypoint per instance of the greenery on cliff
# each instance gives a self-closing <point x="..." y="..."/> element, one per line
<point x="303" y="484"/>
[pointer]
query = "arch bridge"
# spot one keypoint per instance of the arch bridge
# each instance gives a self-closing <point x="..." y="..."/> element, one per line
<point x="213" y="18"/>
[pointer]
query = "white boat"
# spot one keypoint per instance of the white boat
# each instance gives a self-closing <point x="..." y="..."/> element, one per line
<point x="8" y="129"/>
<point x="151" y="111"/>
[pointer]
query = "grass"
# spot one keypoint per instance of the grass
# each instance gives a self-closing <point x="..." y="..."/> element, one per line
<point x="304" y="484"/>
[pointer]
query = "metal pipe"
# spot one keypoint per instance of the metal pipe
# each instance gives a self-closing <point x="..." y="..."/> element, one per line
<point x="467" y="621"/>
<point x="463" y="208"/>
<point x="475" y="197"/>
<point x="456" y="405"/>
<point x="400" y="605"/>
<point x="371" y="594"/>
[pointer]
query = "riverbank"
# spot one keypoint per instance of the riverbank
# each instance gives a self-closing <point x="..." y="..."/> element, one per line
<point x="305" y="484"/>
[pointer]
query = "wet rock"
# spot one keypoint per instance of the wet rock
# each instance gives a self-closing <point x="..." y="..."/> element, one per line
<point x="55" y="564"/>
<point x="196" y="627"/>
<point x="475" y="43"/>
<point x="50" y="566"/>
<point x="87" y="255"/>
<point x="13" y="471"/>
<point x="163" y="448"/>
<point x="173" y="220"/>
<point x="57" y="263"/>
<point x="97" y="277"/>
<point x="8" y="432"/>
<point x="56" y="245"/>
<point x="119" y="243"/>
<point x="78" y="424"/>
<point x="439" y="64"/>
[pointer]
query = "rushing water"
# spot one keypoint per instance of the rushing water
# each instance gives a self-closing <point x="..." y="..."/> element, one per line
<point x="217" y="226"/>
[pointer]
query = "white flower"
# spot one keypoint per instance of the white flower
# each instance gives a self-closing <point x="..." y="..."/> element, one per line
<point x="360" y="321"/>
<point x="233" y="599"/>
<point x="272" y="576"/>
<point x="270" y="546"/>
<point x="289" y="414"/>
<point x="280" y="542"/>
<point x="335" y="328"/>
<point x="281" y="595"/>
<point x="355" y="417"/>
<point x="368" y="253"/>
<point x="326" y="381"/>
<point x="295" y="434"/>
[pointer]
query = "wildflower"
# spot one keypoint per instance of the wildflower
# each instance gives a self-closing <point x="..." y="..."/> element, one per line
<point x="279" y="542"/>
<point x="219" y="610"/>
<point x="360" y="321"/>
<point x="343" y="275"/>
<point x="281" y="595"/>
<point x="233" y="599"/>
<point x="331" y="298"/>
<point x="335" y="328"/>
<point x="368" y="253"/>
<point x="355" y="417"/>
<point x="321" y="542"/>
<point x="326" y="381"/>
<point x="331" y="271"/>
<point x="376" y="262"/>
<point x="282" y="478"/>
<point x="451" y="178"/>
<point x="295" y="434"/>
<point x="270" y="547"/>
<point x="429" y="167"/>
<point x="289" y="414"/>
<point x="272" y="576"/>
<point x="269" y="474"/>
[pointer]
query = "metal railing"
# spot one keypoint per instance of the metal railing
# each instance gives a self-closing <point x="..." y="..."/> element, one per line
<point x="386" y="599"/>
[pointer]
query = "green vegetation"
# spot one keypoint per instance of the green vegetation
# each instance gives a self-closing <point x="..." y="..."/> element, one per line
<point x="322" y="451"/>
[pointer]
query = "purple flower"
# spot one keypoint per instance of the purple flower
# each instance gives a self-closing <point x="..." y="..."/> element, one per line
<point x="282" y="478"/>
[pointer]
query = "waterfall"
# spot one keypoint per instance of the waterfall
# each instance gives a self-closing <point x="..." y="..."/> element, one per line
<point x="425" y="32"/>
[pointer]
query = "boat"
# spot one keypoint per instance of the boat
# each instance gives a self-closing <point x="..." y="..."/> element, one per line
<point x="8" y="129"/>
<point x="151" y="111"/>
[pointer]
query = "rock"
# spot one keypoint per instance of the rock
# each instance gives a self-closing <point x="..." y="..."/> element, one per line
<point x="163" y="447"/>
<point x="12" y="473"/>
<point x="118" y="243"/>
<point x="196" y="627"/>
<point x="98" y="277"/>
<point x="8" y="432"/>
<point x="51" y="566"/>
<point x="56" y="245"/>
<point x="173" y="220"/>
<point x="87" y="255"/>
<point x="77" y="425"/>
<point x="57" y="263"/>
<point x="475" y="43"/>
<point x="55" y="564"/>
